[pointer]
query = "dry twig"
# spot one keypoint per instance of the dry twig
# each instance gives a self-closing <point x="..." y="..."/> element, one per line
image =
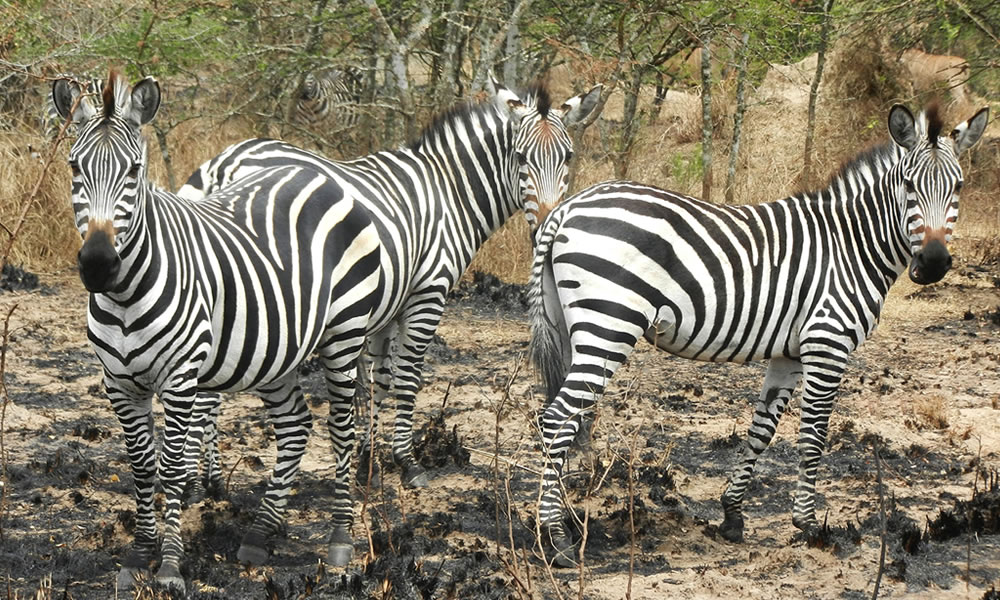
<point x="881" y="511"/>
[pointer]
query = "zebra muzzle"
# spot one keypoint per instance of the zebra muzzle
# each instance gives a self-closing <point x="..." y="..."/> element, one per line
<point x="98" y="262"/>
<point x="930" y="264"/>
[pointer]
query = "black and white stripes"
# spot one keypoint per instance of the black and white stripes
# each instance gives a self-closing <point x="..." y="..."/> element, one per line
<point x="800" y="281"/>
<point x="229" y="293"/>
<point x="434" y="203"/>
<point x="329" y="99"/>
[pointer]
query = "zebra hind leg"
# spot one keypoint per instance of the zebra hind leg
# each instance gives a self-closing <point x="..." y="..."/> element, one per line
<point x="415" y="333"/>
<point x="290" y="417"/>
<point x="369" y="474"/>
<point x="202" y="446"/>
<point x="779" y="384"/>
<point x="561" y="422"/>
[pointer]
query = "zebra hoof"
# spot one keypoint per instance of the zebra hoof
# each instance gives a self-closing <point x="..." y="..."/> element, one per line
<point x="808" y="525"/>
<point x="565" y="555"/>
<point x="194" y="494"/>
<point x="731" y="529"/>
<point x="414" y="477"/>
<point x="341" y="547"/>
<point x="253" y="549"/>
<point x="376" y="475"/>
<point x="128" y="577"/>
<point x="252" y="555"/>
<point x="169" y="576"/>
<point x="216" y="490"/>
<point x="339" y="554"/>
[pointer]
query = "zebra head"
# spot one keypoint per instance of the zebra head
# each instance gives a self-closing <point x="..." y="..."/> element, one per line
<point x="930" y="180"/>
<point x="108" y="162"/>
<point x="542" y="143"/>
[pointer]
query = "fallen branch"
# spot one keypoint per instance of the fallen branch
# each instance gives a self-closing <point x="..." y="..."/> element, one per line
<point x="492" y="456"/>
<point x="4" y="401"/>
<point x="881" y="511"/>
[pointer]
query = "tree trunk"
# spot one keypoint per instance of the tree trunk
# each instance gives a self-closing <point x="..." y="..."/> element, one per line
<point x="824" y="38"/>
<point x="741" y="108"/>
<point x="513" y="52"/>
<point x="630" y="123"/>
<point x="491" y="47"/>
<point x="168" y="163"/>
<point x="706" y="116"/>
<point x="447" y="78"/>
<point x="396" y="71"/>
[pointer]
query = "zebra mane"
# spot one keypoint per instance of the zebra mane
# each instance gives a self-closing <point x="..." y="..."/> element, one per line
<point x="535" y="95"/>
<point x="459" y="112"/>
<point x="876" y="157"/>
<point x="934" y="123"/>
<point x="115" y="95"/>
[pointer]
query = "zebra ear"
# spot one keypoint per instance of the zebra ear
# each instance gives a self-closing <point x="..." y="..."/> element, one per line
<point x="579" y="107"/>
<point x="64" y="96"/>
<point x="145" y="102"/>
<point x="507" y="102"/>
<point x="492" y="84"/>
<point x="902" y="127"/>
<point x="968" y="133"/>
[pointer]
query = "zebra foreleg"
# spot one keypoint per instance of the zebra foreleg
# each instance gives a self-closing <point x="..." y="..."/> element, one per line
<point x="134" y="412"/>
<point x="821" y="382"/>
<point x="779" y="384"/>
<point x="340" y="422"/>
<point x="292" y="421"/>
<point x="178" y="404"/>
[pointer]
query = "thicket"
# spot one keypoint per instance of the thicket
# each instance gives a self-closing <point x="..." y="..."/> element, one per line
<point x="233" y="69"/>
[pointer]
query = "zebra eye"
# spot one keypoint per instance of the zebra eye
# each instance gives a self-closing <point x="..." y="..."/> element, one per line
<point x="522" y="159"/>
<point x="958" y="187"/>
<point x="74" y="167"/>
<point x="134" y="171"/>
<point x="569" y="156"/>
<point x="909" y="186"/>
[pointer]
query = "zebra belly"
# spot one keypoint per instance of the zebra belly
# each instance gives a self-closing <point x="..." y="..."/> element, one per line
<point x="664" y="336"/>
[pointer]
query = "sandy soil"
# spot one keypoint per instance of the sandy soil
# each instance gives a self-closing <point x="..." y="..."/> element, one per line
<point x="925" y="390"/>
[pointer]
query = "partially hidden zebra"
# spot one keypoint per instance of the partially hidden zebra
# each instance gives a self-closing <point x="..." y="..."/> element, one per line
<point x="800" y="281"/>
<point x="230" y="293"/>
<point x="329" y="98"/>
<point x="434" y="203"/>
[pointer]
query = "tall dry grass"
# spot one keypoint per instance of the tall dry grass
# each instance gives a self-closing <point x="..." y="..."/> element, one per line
<point x="861" y="83"/>
<point x="48" y="239"/>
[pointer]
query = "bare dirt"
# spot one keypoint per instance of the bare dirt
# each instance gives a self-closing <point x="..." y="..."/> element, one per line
<point x="925" y="390"/>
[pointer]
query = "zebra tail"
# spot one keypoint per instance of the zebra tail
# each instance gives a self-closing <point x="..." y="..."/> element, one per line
<point x="549" y="338"/>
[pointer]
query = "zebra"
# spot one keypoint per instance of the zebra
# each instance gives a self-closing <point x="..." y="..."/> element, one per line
<point x="434" y="203"/>
<point x="800" y="281"/>
<point x="226" y="294"/>
<point x="329" y="96"/>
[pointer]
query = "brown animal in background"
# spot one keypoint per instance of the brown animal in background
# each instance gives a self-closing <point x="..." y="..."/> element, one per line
<point x="936" y="72"/>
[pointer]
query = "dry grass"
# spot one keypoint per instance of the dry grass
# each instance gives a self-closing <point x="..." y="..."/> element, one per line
<point x="932" y="411"/>
<point x="665" y="154"/>
<point x="48" y="240"/>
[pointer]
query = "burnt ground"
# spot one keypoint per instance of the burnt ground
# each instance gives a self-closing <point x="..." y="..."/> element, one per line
<point x="924" y="392"/>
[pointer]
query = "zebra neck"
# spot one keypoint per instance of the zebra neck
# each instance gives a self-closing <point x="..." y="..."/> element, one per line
<point x="484" y="181"/>
<point x="866" y="214"/>
<point x="141" y="250"/>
